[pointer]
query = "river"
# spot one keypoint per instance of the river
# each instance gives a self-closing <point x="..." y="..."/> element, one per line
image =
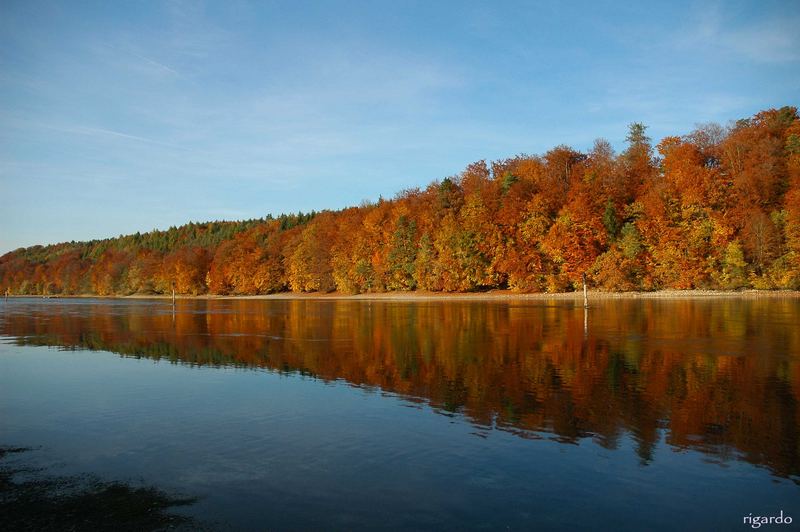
<point x="296" y="414"/>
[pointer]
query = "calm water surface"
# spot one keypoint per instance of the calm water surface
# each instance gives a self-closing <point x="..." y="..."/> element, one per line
<point x="641" y="414"/>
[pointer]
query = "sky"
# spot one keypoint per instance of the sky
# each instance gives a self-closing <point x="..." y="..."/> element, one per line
<point x="117" y="117"/>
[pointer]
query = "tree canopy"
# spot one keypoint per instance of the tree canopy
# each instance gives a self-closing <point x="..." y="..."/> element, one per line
<point x="716" y="208"/>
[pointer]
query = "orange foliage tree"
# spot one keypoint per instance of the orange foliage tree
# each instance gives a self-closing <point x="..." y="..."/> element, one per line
<point x="715" y="208"/>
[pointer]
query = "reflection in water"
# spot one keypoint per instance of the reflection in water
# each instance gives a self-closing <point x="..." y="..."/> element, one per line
<point x="721" y="376"/>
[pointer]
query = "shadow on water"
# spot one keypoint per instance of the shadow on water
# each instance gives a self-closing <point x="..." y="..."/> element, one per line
<point x="31" y="499"/>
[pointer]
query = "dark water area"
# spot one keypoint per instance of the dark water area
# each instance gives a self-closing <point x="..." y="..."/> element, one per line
<point x="655" y="414"/>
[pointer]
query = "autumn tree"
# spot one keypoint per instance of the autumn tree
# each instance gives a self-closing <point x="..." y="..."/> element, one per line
<point x="308" y="265"/>
<point x="402" y="255"/>
<point x="715" y="208"/>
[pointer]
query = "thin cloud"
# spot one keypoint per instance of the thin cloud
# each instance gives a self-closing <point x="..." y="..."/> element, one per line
<point x="102" y="132"/>
<point x="126" y="56"/>
<point x="773" y="40"/>
<point x="776" y="41"/>
<point x="156" y="63"/>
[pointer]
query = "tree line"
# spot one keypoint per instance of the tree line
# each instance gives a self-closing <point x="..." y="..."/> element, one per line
<point x="717" y="208"/>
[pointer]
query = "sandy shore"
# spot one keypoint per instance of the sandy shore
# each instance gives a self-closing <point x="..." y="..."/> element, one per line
<point x="492" y="295"/>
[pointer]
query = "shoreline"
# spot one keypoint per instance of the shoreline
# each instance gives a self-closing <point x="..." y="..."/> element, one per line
<point x="492" y="295"/>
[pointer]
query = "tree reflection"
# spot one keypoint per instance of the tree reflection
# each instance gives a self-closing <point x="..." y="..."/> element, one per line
<point x="719" y="376"/>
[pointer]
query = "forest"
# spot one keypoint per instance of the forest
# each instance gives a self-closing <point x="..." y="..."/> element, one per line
<point x="717" y="208"/>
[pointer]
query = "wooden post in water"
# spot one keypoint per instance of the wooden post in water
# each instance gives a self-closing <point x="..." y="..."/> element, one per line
<point x="585" y="323"/>
<point x="585" y="295"/>
<point x="173" y="295"/>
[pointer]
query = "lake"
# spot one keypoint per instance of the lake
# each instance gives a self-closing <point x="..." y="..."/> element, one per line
<point x="338" y="414"/>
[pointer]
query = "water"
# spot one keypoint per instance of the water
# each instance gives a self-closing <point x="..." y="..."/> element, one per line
<point x="297" y="414"/>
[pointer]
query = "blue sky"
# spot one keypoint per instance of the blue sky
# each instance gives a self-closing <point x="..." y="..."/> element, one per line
<point x="117" y="117"/>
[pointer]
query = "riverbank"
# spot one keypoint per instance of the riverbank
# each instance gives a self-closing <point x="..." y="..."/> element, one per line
<point x="492" y="295"/>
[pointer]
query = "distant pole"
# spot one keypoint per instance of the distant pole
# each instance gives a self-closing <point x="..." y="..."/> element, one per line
<point x="173" y="294"/>
<point x="585" y="294"/>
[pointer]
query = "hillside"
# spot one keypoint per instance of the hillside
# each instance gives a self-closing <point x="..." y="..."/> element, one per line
<point x="716" y="208"/>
